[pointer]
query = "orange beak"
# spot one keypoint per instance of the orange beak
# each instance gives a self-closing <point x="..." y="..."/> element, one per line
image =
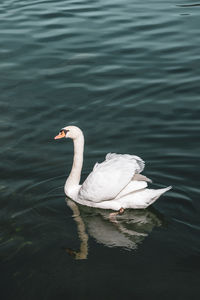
<point x="60" y="135"/>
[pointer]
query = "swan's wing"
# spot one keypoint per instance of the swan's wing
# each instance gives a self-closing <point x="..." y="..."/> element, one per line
<point x="140" y="163"/>
<point x="131" y="187"/>
<point x="108" y="178"/>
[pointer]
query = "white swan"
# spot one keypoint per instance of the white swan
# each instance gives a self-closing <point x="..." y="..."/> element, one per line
<point x="114" y="184"/>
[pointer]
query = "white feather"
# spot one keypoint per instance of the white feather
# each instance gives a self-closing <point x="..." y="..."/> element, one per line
<point x="110" y="177"/>
<point x="138" y="200"/>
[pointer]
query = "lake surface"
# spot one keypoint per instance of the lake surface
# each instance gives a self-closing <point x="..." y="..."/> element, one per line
<point x="127" y="73"/>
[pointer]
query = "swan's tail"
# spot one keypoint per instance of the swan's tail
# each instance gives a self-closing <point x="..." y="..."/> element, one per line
<point x="141" y="199"/>
<point x="156" y="194"/>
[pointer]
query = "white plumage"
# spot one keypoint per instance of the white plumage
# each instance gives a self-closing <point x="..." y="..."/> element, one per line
<point x="113" y="184"/>
<point x="110" y="177"/>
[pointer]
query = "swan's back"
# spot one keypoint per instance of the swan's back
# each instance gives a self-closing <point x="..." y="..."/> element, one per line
<point x="108" y="178"/>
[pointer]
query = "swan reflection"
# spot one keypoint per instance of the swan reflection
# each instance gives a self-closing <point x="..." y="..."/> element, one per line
<point x="126" y="231"/>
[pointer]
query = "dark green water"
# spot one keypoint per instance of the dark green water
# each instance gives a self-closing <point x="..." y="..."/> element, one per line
<point x="126" y="72"/>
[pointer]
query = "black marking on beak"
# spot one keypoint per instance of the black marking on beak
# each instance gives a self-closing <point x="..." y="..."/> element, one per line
<point x="65" y="131"/>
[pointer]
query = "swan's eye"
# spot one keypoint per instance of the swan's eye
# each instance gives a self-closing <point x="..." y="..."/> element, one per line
<point x="64" y="131"/>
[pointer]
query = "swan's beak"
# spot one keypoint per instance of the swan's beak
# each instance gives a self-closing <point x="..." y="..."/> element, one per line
<point x="60" y="135"/>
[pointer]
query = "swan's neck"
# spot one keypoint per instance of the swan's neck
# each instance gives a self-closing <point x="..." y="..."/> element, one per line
<point x="73" y="180"/>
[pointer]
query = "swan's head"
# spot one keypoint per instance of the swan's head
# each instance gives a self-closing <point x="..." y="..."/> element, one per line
<point x="71" y="132"/>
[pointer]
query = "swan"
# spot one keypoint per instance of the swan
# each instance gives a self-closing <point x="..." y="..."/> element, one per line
<point x="114" y="184"/>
